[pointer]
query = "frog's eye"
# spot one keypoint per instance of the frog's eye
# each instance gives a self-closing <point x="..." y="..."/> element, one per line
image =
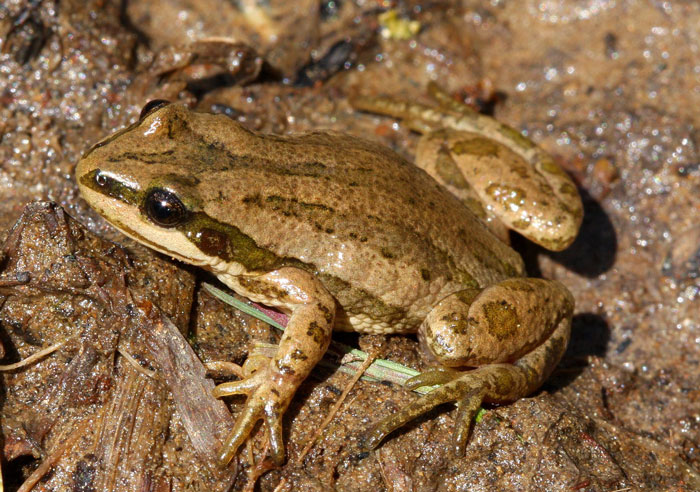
<point x="164" y="208"/>
<point x="152" y="106"/>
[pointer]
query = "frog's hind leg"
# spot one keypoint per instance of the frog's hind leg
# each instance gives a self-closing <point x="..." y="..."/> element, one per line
<point x="508" y="372"/>
<point x="524" y="188"/>
<point x="434" y="156"/>
<point x="495" y="383"/>
<point x="516" y="180"/>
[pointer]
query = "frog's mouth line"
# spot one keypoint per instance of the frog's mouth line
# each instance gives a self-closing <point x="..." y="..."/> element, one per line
<point x="127" y="231"/>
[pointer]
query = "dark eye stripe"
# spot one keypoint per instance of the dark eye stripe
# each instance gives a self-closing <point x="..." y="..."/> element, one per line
<point x="100" y="182"/>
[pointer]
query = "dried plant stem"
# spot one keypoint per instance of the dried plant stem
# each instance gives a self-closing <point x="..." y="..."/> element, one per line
<point x="139" y="368"/>
<point x="361" y="370"/>
<point x="34" y="357"/>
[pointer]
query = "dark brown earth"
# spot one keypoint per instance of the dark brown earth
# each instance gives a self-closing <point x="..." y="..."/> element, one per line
<point x="609" y="88"/>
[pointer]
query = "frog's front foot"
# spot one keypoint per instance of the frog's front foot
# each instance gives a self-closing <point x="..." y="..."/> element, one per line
<point x="268" y="398"/>
<point x="271" y="383"/>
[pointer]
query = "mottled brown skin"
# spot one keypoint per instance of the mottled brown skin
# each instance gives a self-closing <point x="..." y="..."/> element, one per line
<point x="338" y="232"/>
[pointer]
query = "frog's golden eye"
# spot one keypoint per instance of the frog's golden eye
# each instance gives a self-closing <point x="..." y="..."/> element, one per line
<point x="164" y="208"/>
<point x="152" y="106"/>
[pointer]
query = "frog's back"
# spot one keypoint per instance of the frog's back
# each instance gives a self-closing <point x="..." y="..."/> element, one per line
<point x="385" y="238"/>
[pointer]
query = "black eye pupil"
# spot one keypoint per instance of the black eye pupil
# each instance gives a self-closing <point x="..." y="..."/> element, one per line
<point x="164" y="208"/>
<point x="151" y="106"/>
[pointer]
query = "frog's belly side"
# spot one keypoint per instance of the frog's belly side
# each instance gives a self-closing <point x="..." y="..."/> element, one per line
<point x="363" y="323"/>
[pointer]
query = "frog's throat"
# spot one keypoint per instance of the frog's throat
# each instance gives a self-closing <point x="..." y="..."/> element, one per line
<point x="127" y="231"/>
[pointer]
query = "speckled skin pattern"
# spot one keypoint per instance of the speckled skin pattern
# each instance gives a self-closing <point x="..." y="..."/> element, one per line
<point x="338" y="232"/>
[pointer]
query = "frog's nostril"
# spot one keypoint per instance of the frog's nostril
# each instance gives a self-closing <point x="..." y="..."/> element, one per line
<point x="101" y="180"/>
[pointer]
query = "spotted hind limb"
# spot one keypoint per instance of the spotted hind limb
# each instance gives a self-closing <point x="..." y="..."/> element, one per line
<point x="516" y="331"/>
<point x="270" y="384"/>
<point x="501" y="175"/>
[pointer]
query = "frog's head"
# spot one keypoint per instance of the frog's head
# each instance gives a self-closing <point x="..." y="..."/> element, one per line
<point x="145" y="180"/>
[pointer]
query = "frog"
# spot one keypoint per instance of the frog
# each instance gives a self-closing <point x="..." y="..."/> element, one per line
<point x="340" y="232"/>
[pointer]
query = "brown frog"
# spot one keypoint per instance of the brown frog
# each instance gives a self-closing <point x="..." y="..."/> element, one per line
<point x="342" y="233"/>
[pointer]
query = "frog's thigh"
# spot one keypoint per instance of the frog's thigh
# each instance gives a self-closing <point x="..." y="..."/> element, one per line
<point x="519" y="184"/>
<point x="433" y="156"/>
<point x="303" y="343"/>
<point x="500" y="323"/>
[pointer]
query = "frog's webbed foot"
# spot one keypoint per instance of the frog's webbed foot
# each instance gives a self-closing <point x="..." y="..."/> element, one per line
<point x="494" y="383"/>
<point x="516" y="331"/>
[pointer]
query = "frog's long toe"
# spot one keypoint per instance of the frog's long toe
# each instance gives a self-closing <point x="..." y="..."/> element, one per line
<point x="240" y="432"/>
<point x="471" y="392"/>
<point x="467" y="409"/>
<point x="432" y="377"/>
<point x="242" y="387"/>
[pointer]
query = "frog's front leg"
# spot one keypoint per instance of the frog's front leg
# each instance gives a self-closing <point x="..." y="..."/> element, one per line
<point x="271" y="388"/>
<point x="516" y="331"/>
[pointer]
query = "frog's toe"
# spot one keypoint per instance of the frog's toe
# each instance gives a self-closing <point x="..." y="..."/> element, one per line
<point x="265" y="402"/>
<point x="449" y="392"/>
<point x="274" y="428"/>
<point x="242" y="387"/>
<point x="467" y="408"/>
<point x="468" y="397"/>
<point x="240" y="432"/>
<point x="432" y="377"/>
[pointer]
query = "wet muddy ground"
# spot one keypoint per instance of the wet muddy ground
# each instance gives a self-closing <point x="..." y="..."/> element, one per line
<point x="611" y="89"/>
